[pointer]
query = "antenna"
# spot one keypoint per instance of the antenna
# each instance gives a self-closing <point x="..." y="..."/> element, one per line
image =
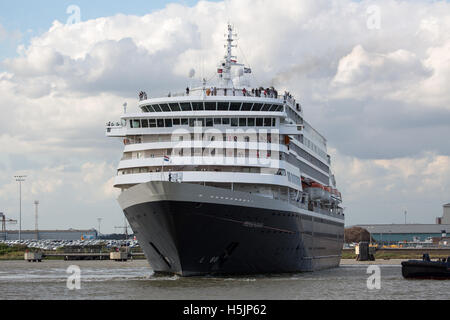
<point x="125" y="107"/>
<point x="99" y="222"/>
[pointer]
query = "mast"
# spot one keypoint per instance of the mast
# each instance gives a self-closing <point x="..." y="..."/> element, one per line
<point x="230" y="60"/>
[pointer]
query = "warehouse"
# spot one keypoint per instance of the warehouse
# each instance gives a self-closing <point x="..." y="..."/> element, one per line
<point x="70" y="234"/>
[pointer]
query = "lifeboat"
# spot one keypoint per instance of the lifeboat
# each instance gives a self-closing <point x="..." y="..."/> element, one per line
<point x="327" y="194"/>
<point x="316" y="191"/>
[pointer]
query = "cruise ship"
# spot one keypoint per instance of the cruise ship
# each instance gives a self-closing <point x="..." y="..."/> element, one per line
<point x="227" y="178"/>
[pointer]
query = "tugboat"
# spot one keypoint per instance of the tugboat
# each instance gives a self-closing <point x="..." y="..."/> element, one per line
<point x="426" y="269"/>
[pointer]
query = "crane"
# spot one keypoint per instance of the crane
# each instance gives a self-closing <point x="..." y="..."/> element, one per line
<point x="4" y="222"/>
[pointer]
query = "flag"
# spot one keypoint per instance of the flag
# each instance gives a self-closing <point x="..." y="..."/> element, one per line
<point x="166" y="158"/>
<point x="247" y="70"/>
<point x="219" y="70"/>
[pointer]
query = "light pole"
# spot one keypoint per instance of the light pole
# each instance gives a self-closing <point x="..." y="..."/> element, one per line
<point x="99" y="221"/>
<point x="20" y="179"/>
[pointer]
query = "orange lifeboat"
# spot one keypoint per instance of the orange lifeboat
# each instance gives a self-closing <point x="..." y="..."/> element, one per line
<point x="316" y="191"/>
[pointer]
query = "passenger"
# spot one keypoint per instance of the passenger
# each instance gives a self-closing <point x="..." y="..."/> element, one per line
<point x="244" y="92"/>
<point x="253" y="92"/>
<point x="187" y="91"/>
<point x="208" y="92"/>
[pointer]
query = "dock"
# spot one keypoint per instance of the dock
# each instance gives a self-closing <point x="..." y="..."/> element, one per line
<point x="78" y="256"/>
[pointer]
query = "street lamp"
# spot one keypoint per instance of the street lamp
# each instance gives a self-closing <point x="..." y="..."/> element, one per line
<point x="20" y="179"/>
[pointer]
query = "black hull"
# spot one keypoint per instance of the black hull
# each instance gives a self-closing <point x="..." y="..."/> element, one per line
<point x="425" y="270"/>
<point x="191" y="238"/>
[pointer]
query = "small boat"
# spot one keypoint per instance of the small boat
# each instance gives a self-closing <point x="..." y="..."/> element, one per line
<point x="426" y="269"/>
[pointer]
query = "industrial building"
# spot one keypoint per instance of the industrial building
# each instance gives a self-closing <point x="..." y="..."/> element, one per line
<point x="70" y="234"/>
<point x="394" y="233"/>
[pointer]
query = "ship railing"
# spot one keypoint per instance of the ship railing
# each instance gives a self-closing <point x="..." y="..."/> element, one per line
<point x="233" y="92"/>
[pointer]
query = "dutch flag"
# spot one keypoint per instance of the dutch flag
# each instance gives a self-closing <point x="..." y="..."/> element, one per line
<point x="166" y="158"/>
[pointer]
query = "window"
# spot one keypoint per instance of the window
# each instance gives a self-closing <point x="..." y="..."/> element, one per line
<point x="234" y="122"/>
<point x="184" y="122"/>
<point x="168" y="123"/>
<point x="191" y="122"/>
<point x="257" y="107"/>
<point x="259" y="122"/>
<point x="185" y="106"/>
<point x="150" y="109"/>
<point x="152" y="123"/>
<point x="274" y="107"/>
<point x="223" y="106"/>
<point x="209" y="122"/>
<point x="165" y="107"/>
<point x="242" y="122"/>
<point x="266" y="107"/>
<point x="200" y="122"/>
<point x="198" y="106"/>
<point x="247" y="106"/>
<point x="210" y="106"/>
<point x="144" y="123"/>
<point x="217" y="121"/>
<point x="157" y="108"/>
<point x="274" y="122"/>
<point x="136" y="124"/>
<point x="251" y="122"/>
<point x="226" y="121"/>
<point x="175" y="107"/>
<point x="234" y="106"/>
<point x="176" y="122"/>
<point x="267" y="122"/>
<point x="160" y="123"/>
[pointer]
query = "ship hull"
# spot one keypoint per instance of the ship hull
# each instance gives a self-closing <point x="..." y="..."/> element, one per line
<point x="189" y="230"/>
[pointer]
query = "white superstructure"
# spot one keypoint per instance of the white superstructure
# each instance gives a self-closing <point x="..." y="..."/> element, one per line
<point x="229" y="136"/>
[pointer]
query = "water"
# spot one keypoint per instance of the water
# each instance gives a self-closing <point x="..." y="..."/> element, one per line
<point x="135" y="280"/>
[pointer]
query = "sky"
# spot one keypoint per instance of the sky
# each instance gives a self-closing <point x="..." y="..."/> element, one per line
<point x="372" y="76"/>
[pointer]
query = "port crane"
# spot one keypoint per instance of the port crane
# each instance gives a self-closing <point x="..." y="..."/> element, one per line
<point x="5" y="222"/>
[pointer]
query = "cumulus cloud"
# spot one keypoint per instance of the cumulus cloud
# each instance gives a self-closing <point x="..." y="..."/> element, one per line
<point x="379" y="95"/>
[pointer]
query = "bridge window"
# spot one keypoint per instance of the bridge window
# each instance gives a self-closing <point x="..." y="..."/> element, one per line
<point x="257" y="107"/>
<point x="209" y="122"/>
<point x="251" y="122"/>
<point x="267" y="122"/>
<point x="135" y="124"/>
<point x="226" y="121"/>
<point x="274" y="107"/>
<point x="235" y="106"/>
<point x="266" y="107"/>
<point x="160" y="123"/>
<point x="152" y="123"/>
<point x="157" y="108"/>
<point x="185" y="106"/>
<point x="198" y="106"/>
<point x="175" y="107"/>
<point x="247" y="106"/>
<point x="165" y="107"/>
<point x="184" y="122"/>
<point x="217" y="121"/>
<point x="176" y="122"/>
<point x="234" y="122"/>
<point x="223" y="106"/>
<point x="144" y="123"/>
<point x="242" y="122"/>
<point x="210" y="106"/>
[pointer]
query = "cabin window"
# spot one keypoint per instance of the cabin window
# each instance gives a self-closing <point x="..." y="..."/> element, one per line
<point x="136" y="124"/>
<point x="160" y="123"/>
<point x="226" y="121"/>
<point x="209" y="122"/>
<point x="184" y="122"/>
<point x="259" y="122"/>
<point x="251" y="122"/>
<point x="152" y="123"/>
<point x="217" y="121"/>
<point x="267" y="122"/>
<point x="176" y="122"/>
<point x="242" y="122"/>
<point x="144" y="123"/>
<point x="168" y="123"/>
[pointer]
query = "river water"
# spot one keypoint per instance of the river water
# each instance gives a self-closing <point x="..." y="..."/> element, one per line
<point x="134" y="280"/>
